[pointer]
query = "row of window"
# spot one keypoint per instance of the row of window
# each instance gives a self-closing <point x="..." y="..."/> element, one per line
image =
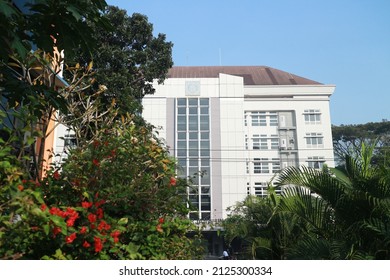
<point x="260" y="189"/>
<point x="272" y="165"/>
<point x="264" y="142"/>
<point x="262" y="118"/>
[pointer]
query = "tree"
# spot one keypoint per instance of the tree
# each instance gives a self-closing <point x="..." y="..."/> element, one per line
<point x="349" y="138"/>
<point x="32" y="39"/>
<point x="129" y="58"/>
<point x="346" y="214"/>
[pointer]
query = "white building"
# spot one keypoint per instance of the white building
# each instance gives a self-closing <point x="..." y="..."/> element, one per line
<point x="239" y="125"/>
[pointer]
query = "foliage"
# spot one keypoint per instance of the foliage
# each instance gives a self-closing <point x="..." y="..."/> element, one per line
<point x="130" y="57"/>
<point x="116" y="196"/>
<point x="41" y="21"/>
<point x="259" y="232"/>
<point x="339" y="213"/>
<point x="347" y="139"/>
<point x="32" y="40"/>
<point x="345" y="213"/>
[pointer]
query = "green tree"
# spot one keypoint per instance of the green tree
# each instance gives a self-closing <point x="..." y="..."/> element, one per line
<point x="348" y="139"/>
<point x="130" y="57"/>
<point x="32" y="39"/>
<point x="345" y="212"/>
<point x="260" y="233"/>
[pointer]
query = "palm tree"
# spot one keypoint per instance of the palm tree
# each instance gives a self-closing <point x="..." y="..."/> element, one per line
<point x="344" y="213"/>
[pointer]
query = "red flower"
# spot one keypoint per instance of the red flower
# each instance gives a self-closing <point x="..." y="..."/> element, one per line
<point x="56" y="175"/>
<point x="43" y="207"/>
<point x="83" y="230"/>
<point x="56" y="230"/>
<point x="91" y="218"/>
<point x="161" y="220"/>
<point x="172" y="181"/>
<point x="95" y="162"/>
<point x="21" y="188"/>
<point x="96" y="143"/>
<point x="115" y="234"/>
<point x="99" y="203"/>
<point x="98" y="244"/>
<point x="34" y="228"/>
<point x="99" y="213"/>
<point x="69" y="239"/>
<point x="103" y="226"/>
<point x="86" y="244"/>
<point x="57" y="212"/>
<point x="159" y="228"/>
<point x="86" y="204"/>
<point x="71" y="220"/>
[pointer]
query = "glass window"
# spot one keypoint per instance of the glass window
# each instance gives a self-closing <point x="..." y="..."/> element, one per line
<point x="193" y="110"/>
<point x="204" y="135"/>
<point x="193" y="135"/>
<point x="204" y="102"/>
<point x="181" y="123"/>
<point x="181" y="135"/>
<point x="182" y="144"/>
<point x="274" y="143"/>
<point x="205" y="144"/>
<point x="273" y="120"/>
<point x="193" y="101"/>
<point x="205" y="203"/>
<point x="181" y="110"/>
<point x="194" y="200"/>
<point x="205" y="189"/>
<point x="193" y="122"/>
<point x="181" y="102"/>
<point x="204" y="123"/>
<point x="204" y="153"/>
<point x="205" y="162"/>
<point x="314" y="140"/>
<point x="181" y="152"/>
<point x="204" y="110"/>
<point x="312" y="116"/>
<point x="316" y="162"/>
<point x="261" y="166"/>
<point x="193" y="144"/>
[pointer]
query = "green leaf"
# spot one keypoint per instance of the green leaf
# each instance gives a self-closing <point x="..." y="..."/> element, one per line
<point x="59" y="222"/>
<point x="46" y="229"/>
<point x="123" y="221"/>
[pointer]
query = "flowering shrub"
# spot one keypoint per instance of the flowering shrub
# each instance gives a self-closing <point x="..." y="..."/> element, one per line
<point x="115" y="198"/>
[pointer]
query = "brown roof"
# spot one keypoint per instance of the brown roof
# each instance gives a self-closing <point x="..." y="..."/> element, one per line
<point x="253" y="75"/>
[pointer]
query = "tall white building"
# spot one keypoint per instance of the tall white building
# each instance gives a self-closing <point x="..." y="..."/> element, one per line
<point x="239" y="126"/>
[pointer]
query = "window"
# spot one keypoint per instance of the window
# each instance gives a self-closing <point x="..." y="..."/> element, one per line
<point x="70" y="141"/>
<point x="259" y="119"/>
<point x="314" y="140"/>
<point x="312" y="116"/>
<point x="274" y="142"/>
<point x="275" y="165"/>
<point x="193" y="152"/>
<point x="260" y="142"/>
<point x="260" y="166"/>
<point x="315" y="162"/>
<point x="260" y="189"/>
<point x="273" y="119"/>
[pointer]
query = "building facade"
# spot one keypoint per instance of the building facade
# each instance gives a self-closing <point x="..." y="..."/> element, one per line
<point x="236" y="127"/>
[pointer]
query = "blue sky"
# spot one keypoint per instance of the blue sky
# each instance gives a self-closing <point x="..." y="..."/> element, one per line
<point x="340" y="42"/>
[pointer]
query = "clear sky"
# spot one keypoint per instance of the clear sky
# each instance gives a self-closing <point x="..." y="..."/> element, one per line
<point x="340" y="42"/>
